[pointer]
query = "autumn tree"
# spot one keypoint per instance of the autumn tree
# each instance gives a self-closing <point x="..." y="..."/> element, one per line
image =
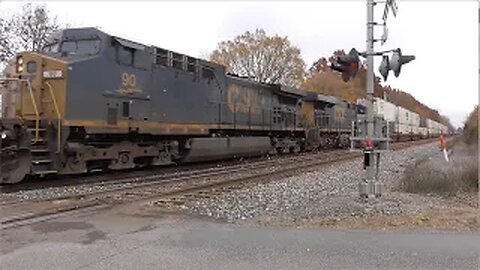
<point x="470" y="129"/>
<point x="319" y="66"/>
<point x="270" y="59"/>
<point x="322" y="79"/>
<point x="27" y="30"/>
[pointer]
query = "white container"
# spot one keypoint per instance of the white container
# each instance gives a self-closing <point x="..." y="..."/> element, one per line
<point x="414" y="119"/>
<point x="403" y="129"/>
<point x="404" y="116"/>
<point x="422" y="131"/>
<point x="386" y="109"/>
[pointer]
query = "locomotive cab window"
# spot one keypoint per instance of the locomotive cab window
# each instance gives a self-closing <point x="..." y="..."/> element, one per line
<point x="88" y="46"/>
<point x="69" y="46"/>
<point x="77" y="47"/>
<point x="52" y="47"/>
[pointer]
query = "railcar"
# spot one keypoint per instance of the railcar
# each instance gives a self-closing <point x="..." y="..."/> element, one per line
<point x="406" y="125"/>
<point x="328" y="121"/>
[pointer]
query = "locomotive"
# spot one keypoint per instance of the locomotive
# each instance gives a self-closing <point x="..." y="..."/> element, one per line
<point x="91" y="101"/>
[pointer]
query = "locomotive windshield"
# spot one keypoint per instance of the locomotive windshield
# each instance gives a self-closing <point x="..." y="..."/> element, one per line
<point x="74" y="47"/>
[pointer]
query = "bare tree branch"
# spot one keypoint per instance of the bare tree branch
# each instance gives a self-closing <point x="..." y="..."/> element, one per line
<point x="27" y="30"/>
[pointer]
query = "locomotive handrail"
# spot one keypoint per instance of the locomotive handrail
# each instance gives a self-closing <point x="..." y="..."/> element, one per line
<point x="35" y="108"/>
<point x="37" y="114"/>
<point x="59" y="118"/>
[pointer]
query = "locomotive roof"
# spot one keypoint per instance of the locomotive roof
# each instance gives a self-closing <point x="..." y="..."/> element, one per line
<point x="92" y="32"/>
<point x="77" y="33"/>
<point x="278" y="88"/>
<point x="287" y="90"/>
<point x="310" y="96"/>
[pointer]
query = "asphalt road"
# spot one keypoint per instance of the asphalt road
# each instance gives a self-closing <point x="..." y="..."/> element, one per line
<point x="136" y="239"/>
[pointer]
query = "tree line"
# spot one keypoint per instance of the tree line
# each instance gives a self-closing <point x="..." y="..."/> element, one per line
<point x="256" y="55"/>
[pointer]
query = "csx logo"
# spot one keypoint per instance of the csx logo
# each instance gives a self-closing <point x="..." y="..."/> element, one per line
<point x="243" y="100"/>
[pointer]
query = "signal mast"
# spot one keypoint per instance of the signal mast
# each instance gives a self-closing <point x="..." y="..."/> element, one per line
<point x="372" y="134"/>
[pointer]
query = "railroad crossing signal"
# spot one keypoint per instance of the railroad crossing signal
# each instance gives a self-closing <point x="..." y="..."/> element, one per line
<point x="348" y="65"/>
<point x="394" y="63"/>
<point x="384" y="67"/>
<point x="390" y="5"/>
<point x="385" y="34"/>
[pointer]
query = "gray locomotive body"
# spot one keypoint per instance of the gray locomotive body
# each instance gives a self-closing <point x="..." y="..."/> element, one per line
<point x="175" y="107"/>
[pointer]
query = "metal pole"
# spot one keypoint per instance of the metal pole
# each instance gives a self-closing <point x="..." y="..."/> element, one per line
<point x="370" y="170"/>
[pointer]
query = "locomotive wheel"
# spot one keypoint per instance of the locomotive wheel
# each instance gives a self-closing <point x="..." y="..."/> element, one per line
<point x="75" y="165"/>
<point x="15" y="167"/>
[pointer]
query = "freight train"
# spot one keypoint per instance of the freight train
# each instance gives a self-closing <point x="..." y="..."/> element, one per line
<point x="405" y="124"/>
<point x="91" y="101"/>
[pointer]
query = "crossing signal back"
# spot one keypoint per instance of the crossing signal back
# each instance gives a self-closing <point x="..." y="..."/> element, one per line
<point x="348" y="65"/>
<point x="394" y="64"/>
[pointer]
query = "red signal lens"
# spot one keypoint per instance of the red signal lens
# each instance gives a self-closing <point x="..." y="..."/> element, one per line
<point x="368" y="144"/>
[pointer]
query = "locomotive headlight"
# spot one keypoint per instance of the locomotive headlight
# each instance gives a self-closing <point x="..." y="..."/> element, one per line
<point x="19" y="64"/>
<point x="49" y="74"/>
<point x="4" y="135"/>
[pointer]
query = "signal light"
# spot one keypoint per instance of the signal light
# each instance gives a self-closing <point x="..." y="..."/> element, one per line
<point x="398" y="60"/>
<point x="384" y="67"/>
<point x="395" y="63"/>
<point x="368" y="144"/>
<point x="348" y="65"/>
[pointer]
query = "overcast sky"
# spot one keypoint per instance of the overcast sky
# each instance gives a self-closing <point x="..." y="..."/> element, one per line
<point x="443" y="35"/>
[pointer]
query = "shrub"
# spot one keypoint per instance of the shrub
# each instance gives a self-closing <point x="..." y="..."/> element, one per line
<point x="470" y="129"/>
<point x="428" y="177"/>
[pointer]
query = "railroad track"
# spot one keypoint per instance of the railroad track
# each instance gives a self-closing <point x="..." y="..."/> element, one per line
<point x="106" y="177"/>
<point x="148" y="190"/>
<point x="180" y="185"/>
<point x="214" y="190"/>
<point x="154" y="178"/>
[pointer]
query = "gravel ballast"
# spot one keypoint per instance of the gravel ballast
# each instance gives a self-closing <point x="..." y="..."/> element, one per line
<point x="328" y="194"/>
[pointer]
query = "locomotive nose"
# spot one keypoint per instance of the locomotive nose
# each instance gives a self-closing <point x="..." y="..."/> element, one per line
<point x="15" y="158"/>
